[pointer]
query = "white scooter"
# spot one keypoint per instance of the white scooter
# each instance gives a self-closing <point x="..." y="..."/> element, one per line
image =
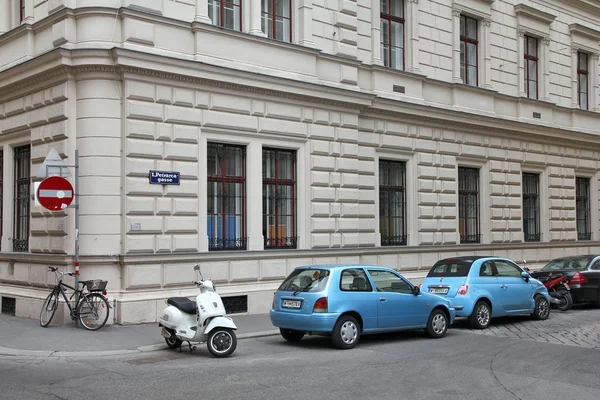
<point x="202" y="320"/>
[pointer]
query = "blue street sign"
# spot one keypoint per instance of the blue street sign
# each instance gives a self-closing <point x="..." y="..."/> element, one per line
<point x="164" y="177"/>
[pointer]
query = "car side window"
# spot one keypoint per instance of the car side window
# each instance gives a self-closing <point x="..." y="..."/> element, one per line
<point x="355" y="280"/>
<point x="486" y="269"/>
<point x="596" y="265"/>
<point x="506" y="269"/>
<point x="386" y="281"/>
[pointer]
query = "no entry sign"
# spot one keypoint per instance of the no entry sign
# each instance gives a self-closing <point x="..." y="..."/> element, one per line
<point x="55" y="193"/>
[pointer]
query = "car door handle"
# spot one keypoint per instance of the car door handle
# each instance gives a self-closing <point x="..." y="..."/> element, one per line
<point x="503" y="286"/>
<point x="382" y="299"/>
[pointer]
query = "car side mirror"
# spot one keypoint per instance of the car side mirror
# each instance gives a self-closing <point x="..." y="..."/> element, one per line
<point x="416" y="290"/>
<point x="525" y="276"/>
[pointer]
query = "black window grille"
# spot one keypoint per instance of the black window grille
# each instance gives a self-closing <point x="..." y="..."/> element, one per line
<point x="392" y="203"/>
<point x="235" y="304"/>
<point x="531" y="207"/>
<point x="582" y="205"/>
<point x="9" y="305"/>
<point x="468" y="205"/>
<point x="279" y="199"/>
<point x="22" y="202"/>
<point x="226" y="197"/>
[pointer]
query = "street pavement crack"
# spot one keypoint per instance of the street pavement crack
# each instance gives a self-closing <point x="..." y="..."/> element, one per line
<point x="494" y="372"/>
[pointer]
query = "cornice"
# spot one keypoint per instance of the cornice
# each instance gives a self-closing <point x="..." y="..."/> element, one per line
<point x="585" y="31"/>
<point x="37" y="81"/>
<point x="237" y="87"/>
<point x="528" y="11"/>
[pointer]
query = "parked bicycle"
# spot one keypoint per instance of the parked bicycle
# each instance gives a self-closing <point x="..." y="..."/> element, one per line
<point x="91" y="307"/>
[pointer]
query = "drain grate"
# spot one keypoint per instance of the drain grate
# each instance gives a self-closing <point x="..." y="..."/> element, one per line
<point x="235" y="304"/>
<point x="8" y="305"/>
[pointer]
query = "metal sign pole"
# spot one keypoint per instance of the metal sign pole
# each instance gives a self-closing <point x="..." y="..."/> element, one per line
<point x="76" y="207"/>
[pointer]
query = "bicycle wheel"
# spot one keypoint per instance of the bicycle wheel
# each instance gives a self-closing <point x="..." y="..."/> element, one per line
<point x="48" y="309"/>
<point x="92" y="311"/>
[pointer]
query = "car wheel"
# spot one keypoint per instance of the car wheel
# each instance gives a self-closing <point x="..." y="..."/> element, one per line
<point x="437" y="325"/>
<point x="481" y="316"/>
<point x="291" y="335"/>
<point x="346" y="333"/>
<point x="542" y="308"/>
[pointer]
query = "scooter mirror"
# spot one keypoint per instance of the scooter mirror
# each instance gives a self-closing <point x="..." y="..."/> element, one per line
<point x="196" y="267"/>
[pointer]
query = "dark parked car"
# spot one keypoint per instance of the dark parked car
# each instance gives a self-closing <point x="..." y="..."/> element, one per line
<point x="582" y="272"/>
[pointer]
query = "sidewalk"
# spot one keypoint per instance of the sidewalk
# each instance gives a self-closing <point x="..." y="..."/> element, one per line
<point x="25" y="337"/>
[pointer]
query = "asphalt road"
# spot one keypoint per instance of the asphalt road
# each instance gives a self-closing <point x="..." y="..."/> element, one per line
<point x="516" y="358"/>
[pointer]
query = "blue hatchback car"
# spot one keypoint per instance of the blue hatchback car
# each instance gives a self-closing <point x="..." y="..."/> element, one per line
<point x="483" y="287"/>
<point x="347" y="301"/>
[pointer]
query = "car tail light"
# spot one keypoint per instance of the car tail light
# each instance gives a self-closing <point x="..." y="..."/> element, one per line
<point x="320" y="305"/>
<point x="578" y="279"/>
<point x="463" y="289"/>
<point x="104" y="292"/>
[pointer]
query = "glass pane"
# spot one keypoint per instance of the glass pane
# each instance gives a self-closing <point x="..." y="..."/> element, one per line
<point x="232" y="16"/>
<point x="397" y="8"/>
<point x="282" y="8"/>
<point x="266" y="25"/>
<point x="214" y="11"/>
<point x="472" y="53"/>
<point x="462" y="53"/>
<point x="397" y="57"/>
<point x="532" y="46"/>
<point x="385" y="55"/>
<point x="583" y="101"/>
<point x="532" y="90"/>
<point x="472" y="76"/>
<point x="471" y="28"/>
<point x="397" y="34"/>
<point x="383" y="4"/>
<point x="267" y="6"/>
<point x="583" y="83"/>
<point x="583" y="61"/>
<point x="282" y="30"/>
<point x="385" y="31"/>
<point x="532" y="70"/>
<point x="462" y="26"/>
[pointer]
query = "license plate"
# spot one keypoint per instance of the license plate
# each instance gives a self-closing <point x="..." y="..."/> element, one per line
<point x="292" y="303"/>
<point x="438" y="290"/>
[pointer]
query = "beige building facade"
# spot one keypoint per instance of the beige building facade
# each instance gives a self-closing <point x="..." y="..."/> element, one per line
<point x="392" y="132"/>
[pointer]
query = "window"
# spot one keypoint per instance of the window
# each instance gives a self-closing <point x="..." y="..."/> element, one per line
<point x="279" y="199"/>
<point x="582" y="80"/>
<point x="226" y="195"/>
<point x="392" y="33"/>
<point x="506" y="269"/>
<point x="386" y="281"/>
<point x="22" y="184"/>
<point x="582" y="208"/>
<point x="305" y="280"/>
<point x="487" y="270"/>
<point x="354" y="280"/>
<point x="531" y="207"/>
<point x="468" y="205"/>
<point x="569" y="263"/>
<point x="468" y="50"/>
<point x="392" y="203"/>
<point x="277" y="19"/>
<point x="531" y="67"/>
<point x="227" y="14"/>
<point x="21" y="10"/>
<point x="448" y="269"/>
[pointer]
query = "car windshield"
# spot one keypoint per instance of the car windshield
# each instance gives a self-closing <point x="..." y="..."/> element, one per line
<point x="450" y="269"/>
<point x="572" y="263"/>
<point x="306" y="280"/>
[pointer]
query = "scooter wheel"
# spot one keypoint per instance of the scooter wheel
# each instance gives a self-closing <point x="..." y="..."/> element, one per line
<point x="566" y="302"/>
<point x="173" y="343"/>
<point x="221" y="342"/>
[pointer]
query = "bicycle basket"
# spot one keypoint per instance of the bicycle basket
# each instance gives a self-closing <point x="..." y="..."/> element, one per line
<point x="96" y="285"/>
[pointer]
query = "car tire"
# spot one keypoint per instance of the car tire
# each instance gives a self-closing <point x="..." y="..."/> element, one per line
<point x="437" y="325"/>
<point x="567" y="304"/>
<point x="291" y="335"/>
<point x="346" y="333"/>
<point x="542" y="308"/>
<point x="481" y="316"/>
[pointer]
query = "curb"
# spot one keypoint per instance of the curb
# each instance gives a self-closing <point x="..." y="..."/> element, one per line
<point x="6" y="351"/>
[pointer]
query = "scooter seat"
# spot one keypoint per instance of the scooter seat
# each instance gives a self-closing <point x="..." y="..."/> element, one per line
<point x="183" y="303"/>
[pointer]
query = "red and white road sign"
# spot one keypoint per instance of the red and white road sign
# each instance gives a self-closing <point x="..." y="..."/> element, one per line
<point x="55" y="193"/>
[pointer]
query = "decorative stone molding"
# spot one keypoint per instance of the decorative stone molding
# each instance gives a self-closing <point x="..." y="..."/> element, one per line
<point x="535" y="23"/>
<point x="482" y="11"/>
